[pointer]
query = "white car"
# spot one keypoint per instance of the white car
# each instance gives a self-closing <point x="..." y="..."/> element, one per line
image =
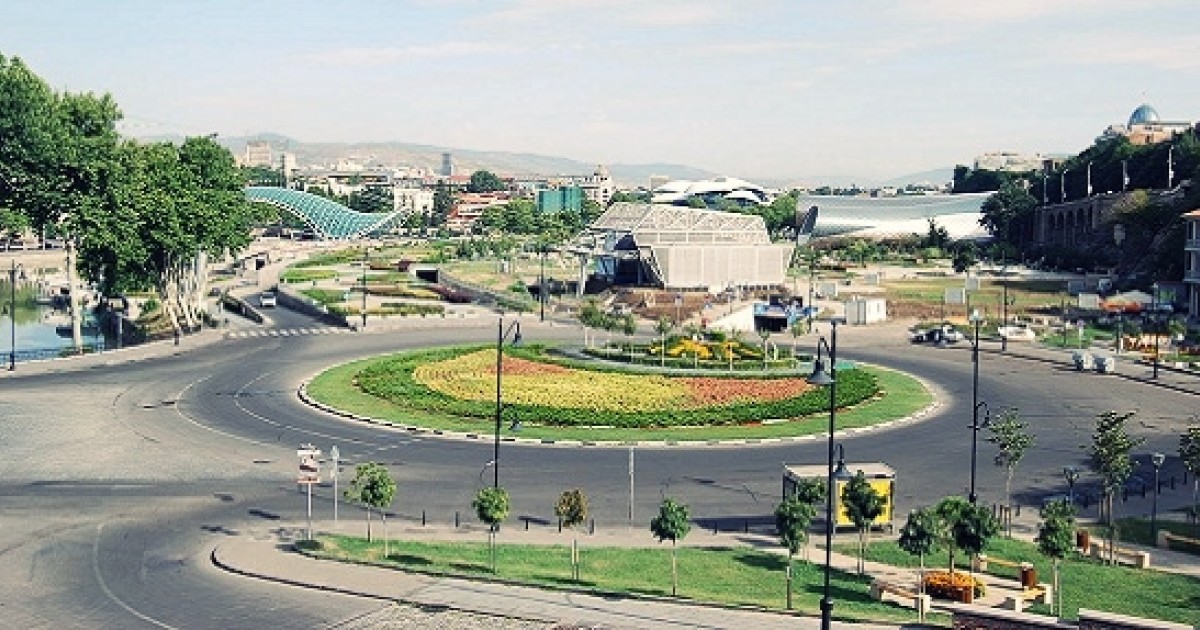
<point x="1016" y="333"/>
<point x="267" y="299"/>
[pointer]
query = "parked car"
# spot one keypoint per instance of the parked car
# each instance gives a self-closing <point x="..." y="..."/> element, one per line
<point x="945" y="332"/>
<point x="267" y="299"/>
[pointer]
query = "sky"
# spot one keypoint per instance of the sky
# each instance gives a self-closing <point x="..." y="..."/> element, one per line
<point x="782" y="89"/>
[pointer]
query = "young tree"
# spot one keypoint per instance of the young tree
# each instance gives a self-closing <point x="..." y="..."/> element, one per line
<point x="627" y="324"/>
<point x="964" y="526"/>
<point x="572" y="511"/>
<point x="919" y="536"/>
<point x="863" y="504"/>
<point x="1109" y="457"/>
<point x="792" y="520"/>
<point x="372" y="487"/>
<point x="663" y="326"/>
<point x="1011" y="436"/>
<point x="671" y="524"/>
<point x="1189" y="453"/>
<point x="484" y="181"/>
<point x="1055" y="538"/>
<point x="810" y="490"/>
<point x="491" y="506"/>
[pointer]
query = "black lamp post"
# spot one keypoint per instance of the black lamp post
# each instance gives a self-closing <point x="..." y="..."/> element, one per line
<point x="1157" y="460"/>
<point x="12" y="314"/>
<point x="1154" y="322"/>
<point x="821" y="377"/>
<point x="542" y="284"/>
<point x="1071" y="474"/>
<point x="1005" y="322"/>
<point x="365" y="264"/>
<point x="976" y="425"/>
<point x="977" y="320"/>
<point x="501" y="335"/>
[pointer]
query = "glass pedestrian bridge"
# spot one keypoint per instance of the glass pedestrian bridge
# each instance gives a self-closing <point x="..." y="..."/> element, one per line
<point x="328" y="219"/>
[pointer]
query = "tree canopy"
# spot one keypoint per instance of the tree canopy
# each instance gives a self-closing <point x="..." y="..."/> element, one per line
<point x="485" y="181"/>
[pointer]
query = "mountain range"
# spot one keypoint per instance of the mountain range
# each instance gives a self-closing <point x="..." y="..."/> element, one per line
<point x="507" y="163"/>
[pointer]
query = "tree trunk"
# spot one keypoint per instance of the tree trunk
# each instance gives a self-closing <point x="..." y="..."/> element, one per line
<point x="1057" y="590"/>
<point x="921" y="576"/>
<point x="674" y="571"/>
<point x="73" y="296"/>
<point x="862" y="549"/>
<point x="368" y="524"/>
<point x="386" y="551"/>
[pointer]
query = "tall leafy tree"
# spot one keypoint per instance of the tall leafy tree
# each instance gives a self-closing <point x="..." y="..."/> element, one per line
<point x="793" y="517"/>
<point x="672" y="523"/>
<point x="863" y="504"/>
<point x="1008" y="213"/>
<point x="484" y="181"/>
<point x="372" y="487"/>
<point x="572" y="511"/>
<point x="491" y="506"/>
<point x="1012" y="439"/>
<point x="1055" y="537"/>
<point x="1109" y="457"/>
<point x="964" y="526"/>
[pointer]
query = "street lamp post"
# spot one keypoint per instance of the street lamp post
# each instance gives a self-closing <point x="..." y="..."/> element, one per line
<point x="12" y="314"/>
<point x="1157" y="460"/>
<point x="1005" y="322"/>
<point x="1154" y="322"/>
<point x="542" y="285"/>
<point x="977" y="320"/>
<point x="821" y="377"/>
<point x="501" y="334"/>
<point x="365" y="264"/>
<point x="1071" y="474"/>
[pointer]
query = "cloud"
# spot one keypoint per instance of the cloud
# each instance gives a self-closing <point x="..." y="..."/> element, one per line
<point x="1156" y="50"/>
<point x="392" y="54"/>
<point x="660" y="13"/>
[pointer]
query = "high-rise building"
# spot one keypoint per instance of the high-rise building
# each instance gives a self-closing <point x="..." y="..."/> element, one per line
<point x="447" y="165"/>
<point x="258" y="154"/>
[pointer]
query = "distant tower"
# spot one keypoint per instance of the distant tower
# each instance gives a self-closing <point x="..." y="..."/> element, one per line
<point x="447" y="165"/>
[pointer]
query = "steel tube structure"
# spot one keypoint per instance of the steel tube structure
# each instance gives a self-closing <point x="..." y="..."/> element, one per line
<point x="976" y="319"/>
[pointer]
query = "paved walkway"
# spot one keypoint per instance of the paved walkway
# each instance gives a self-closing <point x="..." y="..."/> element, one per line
<point x="268" y="555"/>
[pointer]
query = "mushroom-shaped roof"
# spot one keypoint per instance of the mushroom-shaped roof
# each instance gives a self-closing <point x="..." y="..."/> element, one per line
<point x="1144" y="114"/>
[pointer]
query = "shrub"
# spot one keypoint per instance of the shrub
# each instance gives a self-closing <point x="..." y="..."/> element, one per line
<point x="946" y="585"/>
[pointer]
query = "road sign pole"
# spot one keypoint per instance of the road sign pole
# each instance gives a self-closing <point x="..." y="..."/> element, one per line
<point x="333" y="455"/>
<point x="309" y="536"/>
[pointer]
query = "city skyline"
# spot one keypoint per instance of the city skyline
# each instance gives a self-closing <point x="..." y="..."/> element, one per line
<point x="763" y="89"/>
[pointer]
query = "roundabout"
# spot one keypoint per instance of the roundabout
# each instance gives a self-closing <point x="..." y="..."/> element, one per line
<point x="170" y="455"/>
<point x="551" y="394"/>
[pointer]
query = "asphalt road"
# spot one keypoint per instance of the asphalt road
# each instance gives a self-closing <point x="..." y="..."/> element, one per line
<point x="117" y="480"/>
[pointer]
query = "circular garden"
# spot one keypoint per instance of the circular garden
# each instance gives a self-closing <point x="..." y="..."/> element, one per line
<point x="552" y="395"/>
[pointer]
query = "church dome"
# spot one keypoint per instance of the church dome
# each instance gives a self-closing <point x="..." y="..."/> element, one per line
<point x="1144" y="114"/>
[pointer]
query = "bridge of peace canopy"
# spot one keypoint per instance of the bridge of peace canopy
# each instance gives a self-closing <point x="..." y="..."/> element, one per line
<point x="327" y="218"/>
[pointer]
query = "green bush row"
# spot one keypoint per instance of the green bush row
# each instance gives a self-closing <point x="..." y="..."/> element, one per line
<point x="391" y="378"/>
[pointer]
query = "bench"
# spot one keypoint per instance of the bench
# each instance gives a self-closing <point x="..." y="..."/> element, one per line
<point x="1136" y="559"/>
<point x="881" y="588"/>
<point x="1165" y="537"/>
<point x="1039" y="594"/>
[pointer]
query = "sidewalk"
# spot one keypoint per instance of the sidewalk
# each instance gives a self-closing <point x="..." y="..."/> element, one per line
<point x="269" y="556"/>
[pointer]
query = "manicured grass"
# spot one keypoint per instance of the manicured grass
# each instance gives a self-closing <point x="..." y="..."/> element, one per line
<point x="1137" y="531"/>
<point x="307" y="275"/>
<point x="901" y="396"/>
<point x="742" y="577"/>
<point x="1084" y="582"/>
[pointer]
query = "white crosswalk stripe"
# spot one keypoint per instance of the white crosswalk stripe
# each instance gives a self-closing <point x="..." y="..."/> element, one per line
<point x="285" y="332"/>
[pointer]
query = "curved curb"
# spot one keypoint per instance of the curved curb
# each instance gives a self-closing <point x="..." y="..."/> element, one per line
<point x="926" y="412"/>
<point x="216" y="560"/>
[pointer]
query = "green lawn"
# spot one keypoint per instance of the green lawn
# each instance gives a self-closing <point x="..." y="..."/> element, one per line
<point x="720" y="575"/>
<point x="1085" y="582"/>
<point x="903" y="395"/>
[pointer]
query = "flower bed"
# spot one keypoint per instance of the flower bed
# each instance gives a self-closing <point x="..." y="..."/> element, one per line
<point x="946" y="585"/>
<point x="538" y="390"/>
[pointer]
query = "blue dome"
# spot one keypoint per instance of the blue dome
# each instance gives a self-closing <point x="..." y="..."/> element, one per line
<point x="1144" y="114"/>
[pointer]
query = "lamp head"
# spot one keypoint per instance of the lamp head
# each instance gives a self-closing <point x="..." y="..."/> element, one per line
<point x="976" y="317"/>
<point x="1071" y="473"/>
<point x="841" y="472"/>
<point x="1157" y="459"/>
<point x="516" y="341"/>
<point x="819" y="376"/>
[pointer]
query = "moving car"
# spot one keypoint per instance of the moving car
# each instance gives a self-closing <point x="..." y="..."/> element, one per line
<point x="945" y="332"/>
<point x="267" y="299"/>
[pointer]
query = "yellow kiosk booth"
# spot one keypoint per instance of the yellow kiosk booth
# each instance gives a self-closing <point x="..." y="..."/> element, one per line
<point x="881" y="477"/>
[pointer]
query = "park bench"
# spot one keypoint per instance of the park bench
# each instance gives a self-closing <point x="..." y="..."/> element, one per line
<point x="1165" y="537"/>
<point x="906" y="596"/>
<point x="1131" y="557"/>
